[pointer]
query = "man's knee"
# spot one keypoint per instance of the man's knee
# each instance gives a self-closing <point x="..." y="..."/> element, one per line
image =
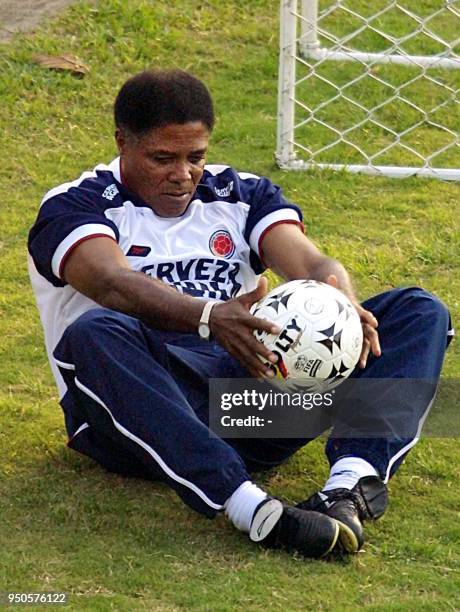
<point x="424" y="303"/>
<point x="98" y="329"/>
<point x="96" y="321"/>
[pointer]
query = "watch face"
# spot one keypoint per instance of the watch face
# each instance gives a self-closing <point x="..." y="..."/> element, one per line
<point x="204" y="331"/>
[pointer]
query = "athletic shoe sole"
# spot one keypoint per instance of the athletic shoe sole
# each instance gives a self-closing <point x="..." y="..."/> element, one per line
<point x="265" y="519"/>
<point x="347" y="538"/>
<point x="334" y="542"/>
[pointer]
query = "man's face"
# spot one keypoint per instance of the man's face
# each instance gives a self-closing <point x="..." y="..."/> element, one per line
<point x="164" y="166"/>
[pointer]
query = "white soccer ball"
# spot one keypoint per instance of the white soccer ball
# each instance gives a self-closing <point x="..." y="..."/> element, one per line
<point x="321" y="334"/>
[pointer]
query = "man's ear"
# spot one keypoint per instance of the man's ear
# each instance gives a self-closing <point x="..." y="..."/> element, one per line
<point x="120" y="138"/>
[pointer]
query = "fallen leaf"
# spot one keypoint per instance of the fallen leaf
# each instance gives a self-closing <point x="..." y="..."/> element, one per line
<point x="61" y="62"/>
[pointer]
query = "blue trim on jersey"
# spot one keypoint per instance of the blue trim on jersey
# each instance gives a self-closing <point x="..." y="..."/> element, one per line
<point x="65" y="212"/>
<point x="260" y="193"/>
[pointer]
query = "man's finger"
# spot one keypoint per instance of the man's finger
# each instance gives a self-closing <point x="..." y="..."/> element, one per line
<point x="332" y="280"/>
<point x="364" y="353"/>
<point x="247" y="345"/>
<point x="254" y="347"/>
<point x="256" y="294"/>
<point x="251" y="361"/>
<point x="366" y="316"/>
<point x="372" y="336"/>
<point x="263" y="325"/>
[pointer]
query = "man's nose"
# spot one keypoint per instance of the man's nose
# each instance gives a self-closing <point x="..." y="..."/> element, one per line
<point x="180" y="171"/>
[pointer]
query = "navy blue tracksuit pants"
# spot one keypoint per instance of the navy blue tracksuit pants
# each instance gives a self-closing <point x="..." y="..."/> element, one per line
<point x="137" y="399"/>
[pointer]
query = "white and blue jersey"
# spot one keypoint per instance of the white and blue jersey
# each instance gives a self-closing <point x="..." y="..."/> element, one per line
<point x="211" y="251"/>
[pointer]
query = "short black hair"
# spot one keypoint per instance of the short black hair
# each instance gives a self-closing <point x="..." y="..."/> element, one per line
<point x="155" y="98"/>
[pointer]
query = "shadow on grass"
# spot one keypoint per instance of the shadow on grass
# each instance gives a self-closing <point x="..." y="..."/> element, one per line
<point x="67" y="497"/>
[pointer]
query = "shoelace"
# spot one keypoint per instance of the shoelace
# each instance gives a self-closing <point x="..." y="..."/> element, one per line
<point x="355" y="498"/>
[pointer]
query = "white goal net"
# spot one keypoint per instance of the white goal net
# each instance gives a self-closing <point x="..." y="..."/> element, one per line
<point x="370" y="86"/>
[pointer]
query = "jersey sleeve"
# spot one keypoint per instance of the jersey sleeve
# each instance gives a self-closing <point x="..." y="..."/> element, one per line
<point x="63" y="222"/>
<point x="268" y="208"/>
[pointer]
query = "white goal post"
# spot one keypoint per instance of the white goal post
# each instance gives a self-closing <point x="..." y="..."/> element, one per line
<point x="370" y="87"/>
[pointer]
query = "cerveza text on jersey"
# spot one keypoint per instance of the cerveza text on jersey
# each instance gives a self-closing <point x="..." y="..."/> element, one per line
<point x="212" y="278"/>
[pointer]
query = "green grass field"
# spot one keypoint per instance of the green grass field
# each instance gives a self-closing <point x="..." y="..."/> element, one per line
<point x="120" y="544"/>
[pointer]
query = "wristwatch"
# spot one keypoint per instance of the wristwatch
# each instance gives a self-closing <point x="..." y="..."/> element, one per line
<point x="203" y="326"/>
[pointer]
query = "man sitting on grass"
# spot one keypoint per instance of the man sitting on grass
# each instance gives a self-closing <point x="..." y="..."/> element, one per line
<point x="141" y="306"/>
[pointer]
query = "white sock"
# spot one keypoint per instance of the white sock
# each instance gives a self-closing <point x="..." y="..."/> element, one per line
<point x="347" y="471"/>
<point x="240" y="506"/>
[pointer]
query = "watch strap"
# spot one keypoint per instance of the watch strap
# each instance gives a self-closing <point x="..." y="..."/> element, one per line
<point x="207" y="312"/>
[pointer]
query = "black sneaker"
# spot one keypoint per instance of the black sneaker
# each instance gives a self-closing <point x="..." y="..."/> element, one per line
<point x="277" y="525"/>
<point x="367" y="500"/>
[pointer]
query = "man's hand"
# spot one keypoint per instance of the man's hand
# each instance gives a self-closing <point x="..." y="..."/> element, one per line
<point x="232" y="326"/>
<point x="368" y="322"/>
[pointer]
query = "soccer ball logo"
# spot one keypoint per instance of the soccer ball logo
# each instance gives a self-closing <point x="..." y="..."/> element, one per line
<point x="221" y="244"/>
<point x="321" y="333"/>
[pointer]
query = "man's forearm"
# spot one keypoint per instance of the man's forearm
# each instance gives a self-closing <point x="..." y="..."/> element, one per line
<point x="292" y="256"/>
<point x="151" y="300"/>
<point x="98" y="269"/>
<point x="327" y="267"/>
<point x="319" y="268"/>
